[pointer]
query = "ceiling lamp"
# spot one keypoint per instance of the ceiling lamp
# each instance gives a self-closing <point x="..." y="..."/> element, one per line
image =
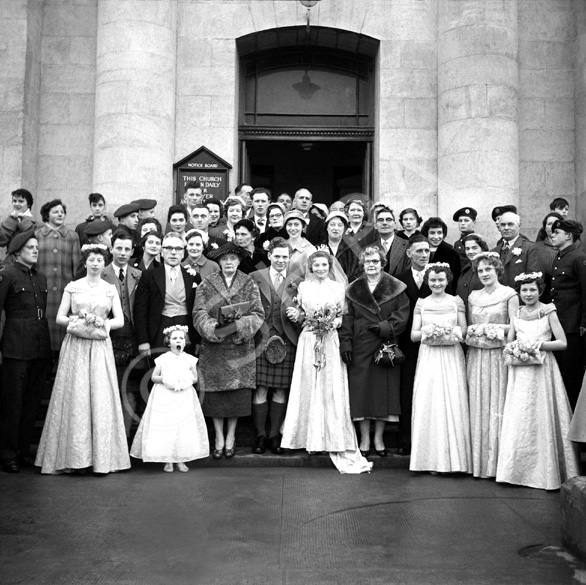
<point x="309" y="4"/>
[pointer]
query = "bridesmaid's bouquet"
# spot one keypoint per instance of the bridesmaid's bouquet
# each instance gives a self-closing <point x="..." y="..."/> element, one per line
<point x="523" y="352"/>
<point x="486" y="335"/>
<point x="87" y="326"/>
<point x="435" y="334"/>
<point x="321" y="322"/>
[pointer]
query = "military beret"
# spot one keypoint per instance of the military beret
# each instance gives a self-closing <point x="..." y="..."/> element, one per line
<point x="567" y="225"/>
<point x="498" y="211"/>
<point x="467" y="212"/>
<point x="20" y="240"/>
<point x="127" y="209"/>
<point x="144" y="204"/>
<point x="97" y="227"/>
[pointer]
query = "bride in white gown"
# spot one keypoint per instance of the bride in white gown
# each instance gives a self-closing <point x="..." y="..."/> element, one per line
<point x="318" y="413"/>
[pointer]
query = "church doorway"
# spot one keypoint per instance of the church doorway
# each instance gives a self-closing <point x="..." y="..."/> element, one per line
<point x="306" y="115"/>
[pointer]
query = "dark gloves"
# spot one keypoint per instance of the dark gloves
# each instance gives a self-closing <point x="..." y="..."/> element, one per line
<point x="346" y="357"/>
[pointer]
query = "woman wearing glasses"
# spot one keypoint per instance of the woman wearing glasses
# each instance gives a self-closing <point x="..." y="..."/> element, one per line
<point x="378" y="310"/>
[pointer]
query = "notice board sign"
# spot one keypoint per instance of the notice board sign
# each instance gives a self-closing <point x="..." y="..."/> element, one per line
<point x="205" y="167"/>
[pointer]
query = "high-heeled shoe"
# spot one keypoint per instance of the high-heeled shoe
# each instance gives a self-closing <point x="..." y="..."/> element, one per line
<point x="365" y="453"/>
<point x="229" y="453"/>
<point x="168" y="468"/>
<point x="381" y="453"/>
<point x="182" y="467"/>
<point x="217" y="453"/>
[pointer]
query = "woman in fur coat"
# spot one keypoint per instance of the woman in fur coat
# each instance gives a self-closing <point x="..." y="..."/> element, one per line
<point x="378" y="307"/>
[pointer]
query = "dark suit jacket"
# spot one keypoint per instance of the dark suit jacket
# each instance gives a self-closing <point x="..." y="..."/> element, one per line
<point x="315" y="232"/>
<point x="411" y="348"/>
<point x="262" y="279"/>
<point x="132" y="277"/>
<point x="397" y="260"/>
<point x="149" y="303"/>
<point x="525" y="259"/>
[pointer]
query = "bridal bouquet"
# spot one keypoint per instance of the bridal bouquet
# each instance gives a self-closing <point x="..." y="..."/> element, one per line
<point x="321" y="322"/>
<point x="486" y="335"/>
<point x="87" y="325"/>
<point x="435" y="334"/>
<point x="523" y="352"/>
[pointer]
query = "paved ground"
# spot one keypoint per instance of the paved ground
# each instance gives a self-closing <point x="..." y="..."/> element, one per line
<point x="260" y="526"/>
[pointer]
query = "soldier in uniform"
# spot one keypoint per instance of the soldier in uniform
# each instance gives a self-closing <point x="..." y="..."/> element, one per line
<point x="26" y="350"/>
<point x="466" y="219"/>
<point x="568" y="290"/>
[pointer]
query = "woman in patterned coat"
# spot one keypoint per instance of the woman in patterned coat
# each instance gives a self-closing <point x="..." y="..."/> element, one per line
<point x="59" y="256"/>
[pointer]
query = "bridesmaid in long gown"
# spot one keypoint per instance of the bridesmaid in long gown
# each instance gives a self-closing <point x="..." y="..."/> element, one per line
<point x="486" y="371"/>
<point x="440" y="421"/>
<point x="84" y="426"/>
<point x="318" y="413"/>
<point x="534" y="449"/>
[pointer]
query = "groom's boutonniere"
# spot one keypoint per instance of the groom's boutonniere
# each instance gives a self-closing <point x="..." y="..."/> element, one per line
<point x="516" y="251"/>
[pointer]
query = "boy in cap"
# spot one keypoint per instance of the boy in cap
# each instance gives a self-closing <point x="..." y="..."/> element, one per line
<point x="466" y="219"/>
<point x="568" y="290"/>
<point x="127" y="216"/>
<point x="26" y="350"/>
<point x="146" y="207"/>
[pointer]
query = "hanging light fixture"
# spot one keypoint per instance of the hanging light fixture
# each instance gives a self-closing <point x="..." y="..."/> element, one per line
<point x="309" y="4"/>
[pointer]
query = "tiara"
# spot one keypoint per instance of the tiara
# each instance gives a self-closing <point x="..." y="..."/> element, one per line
<point x="169" y="330"/>
<point x="531" y="276"/>
<point x="90" y="247"/>
<point x="487" y="255"/>
<point x="433" y="265"/>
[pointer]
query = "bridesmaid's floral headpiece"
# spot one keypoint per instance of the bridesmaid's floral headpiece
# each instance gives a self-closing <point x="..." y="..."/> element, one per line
<point x="433" y="265"/>
<point x="91" y="247"/>
<point x="528" y="277"/>
<point x="484" y="255"/>
<point x="169" y="330"/>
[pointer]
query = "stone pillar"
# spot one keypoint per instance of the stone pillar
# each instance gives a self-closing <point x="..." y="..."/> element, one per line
<point x="478" y="136"/>
<point x="20" y="78"/>
<point x="580" y="111"/>
<point x="134" y="138"/>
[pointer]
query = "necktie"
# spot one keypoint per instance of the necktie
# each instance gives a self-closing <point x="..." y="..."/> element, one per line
<point x="278" y="279"/>
<point x="504" y="250"/>
<point x="121" y="275"/>
<point x="173" y="274"/>
<point x="386" y="246"/>
<point x="419" y="278"/>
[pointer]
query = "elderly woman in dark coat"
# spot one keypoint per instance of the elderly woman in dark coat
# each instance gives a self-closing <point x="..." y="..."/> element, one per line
<point x="227" y="359"/>
<point x="378" y="307"/>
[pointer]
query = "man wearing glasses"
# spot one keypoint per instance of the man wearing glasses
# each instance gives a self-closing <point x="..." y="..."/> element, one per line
<point x="383" y="236"/>
<point x="164" y="297"/>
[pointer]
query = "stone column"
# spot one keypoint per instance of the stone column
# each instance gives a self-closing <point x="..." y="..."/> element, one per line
<point x="134" y="137"/>
<point x="20" y="79"/>
<point x="478" y="136"/>
<point x="580" y="111"/>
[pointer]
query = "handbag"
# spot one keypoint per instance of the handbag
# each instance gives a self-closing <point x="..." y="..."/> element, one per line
<point x="389" y="354"/>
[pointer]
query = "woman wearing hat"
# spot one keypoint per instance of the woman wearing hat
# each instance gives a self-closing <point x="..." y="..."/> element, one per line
<point x="227" y="356"/>
<point x="302" y="249"/>
<point x="346" y="254"/>
<point x="254" y="259"/>
<point x="276" y="228"/>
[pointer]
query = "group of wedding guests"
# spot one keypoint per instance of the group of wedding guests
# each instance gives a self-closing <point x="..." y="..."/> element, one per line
<point x="278" y="310"/>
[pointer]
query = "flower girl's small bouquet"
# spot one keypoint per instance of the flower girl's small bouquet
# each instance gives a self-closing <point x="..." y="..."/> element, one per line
<point x="322" y="321"/>
<point x="87" y="325"/>
<point x="486" y="335"/>
<point x="523" y="352"/>
<point x="435" y="334"/>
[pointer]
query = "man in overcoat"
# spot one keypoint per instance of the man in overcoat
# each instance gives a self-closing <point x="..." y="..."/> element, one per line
<point x="568" y="290"/>
<point x="26" y="350"/>
<point x="277" y="292"/>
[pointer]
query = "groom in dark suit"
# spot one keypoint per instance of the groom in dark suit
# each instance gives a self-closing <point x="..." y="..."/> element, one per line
<point x="164" y="297"/>
<point x="277" y="292"/>
<point x="418" y="252"/>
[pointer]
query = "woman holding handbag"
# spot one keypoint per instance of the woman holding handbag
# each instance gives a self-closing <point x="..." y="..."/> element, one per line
<point x="378" y="310"/>
<point x="441" y="420"/>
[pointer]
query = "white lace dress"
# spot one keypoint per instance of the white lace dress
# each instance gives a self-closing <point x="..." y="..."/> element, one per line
<point x="318" y="413"/>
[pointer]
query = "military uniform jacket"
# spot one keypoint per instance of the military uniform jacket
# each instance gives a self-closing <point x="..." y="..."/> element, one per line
<point x="568" y="287"/>
<point x="23" y="297"/>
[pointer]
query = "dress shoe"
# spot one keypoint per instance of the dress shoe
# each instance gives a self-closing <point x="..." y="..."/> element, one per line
<point x="217" y="453"/>
<point x="168" y="468"/>
<point x="260" y="446"/>
<point x="381" y="453"/>
<point x="182" y="467"/>
<point x="229" y="453"/>
<point x="275" y="445"/>
<point x="25" y="461"/>
<point x="403" y="451"/>
<point x="364" y="453"/>
<point x="10" y="467"/>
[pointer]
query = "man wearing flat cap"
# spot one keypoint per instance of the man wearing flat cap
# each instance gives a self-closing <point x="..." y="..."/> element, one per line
<point x="127" y="216"/>
<point x="146" y="207"/>
<point x="466" y="219"/>
<point x="568" y="290"/>
<point x="26" y="350"/>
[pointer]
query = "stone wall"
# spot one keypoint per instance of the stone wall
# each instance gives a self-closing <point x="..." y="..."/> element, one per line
<point x="580" y="108"/>
<point x="546" y="107"/>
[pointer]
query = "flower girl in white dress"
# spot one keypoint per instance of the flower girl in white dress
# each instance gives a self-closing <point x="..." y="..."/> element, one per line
<point x="173" y="429"/>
